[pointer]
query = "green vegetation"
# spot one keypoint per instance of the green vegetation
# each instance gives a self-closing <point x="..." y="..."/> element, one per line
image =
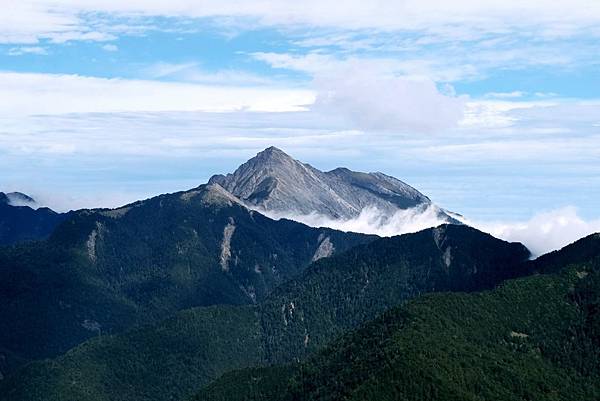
<point x="106" y="271"/>
<point x="535" y="338"/>
<point x="345" y="291"/>
<point x="176" y="355"/>
<point x="160" y="362"/>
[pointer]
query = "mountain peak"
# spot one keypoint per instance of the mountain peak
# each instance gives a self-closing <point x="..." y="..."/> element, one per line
<point x="273" y="150"/>
<point x="272" y="154"/>
<point x="278" y="184"/>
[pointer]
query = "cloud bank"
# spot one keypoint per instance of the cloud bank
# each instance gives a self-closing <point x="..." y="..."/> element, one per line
<point x="35" y="93"/>
<point x="372" y="221"/>
<point x="31" y="20"/>
<point x="377" y="103"/>
<point x="543" y="233"/>
<point x="16" y="199"/>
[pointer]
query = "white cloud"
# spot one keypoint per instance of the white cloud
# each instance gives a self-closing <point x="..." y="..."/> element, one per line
<point x="110" y="48"/>
<point x="370" y="101"/>
<point x="91" y="36"/>
<point x="25" y="93"/>
<point x="538" y="135"/>
<point x="19" y="51"/>
<point x="443" y="68"/>
<point x="312" y="63"/>
<point x="546" y="94"/>
<point x="505" y="95"/>
<point x="61" y="201"/>
<point x="375" y="94"/>
<point x="16" y="200"/>
<point x="402" y="38"/>
<point x="380" y="103"/>
<point x="192" y="72"/>
<point x="29" y="21"/>
<point x="373" y="221"/>
<point x="542" y="158"/>
<point x="499" y="113"/>
<point x="545" y="231"/>
<point x="488" y="16"/>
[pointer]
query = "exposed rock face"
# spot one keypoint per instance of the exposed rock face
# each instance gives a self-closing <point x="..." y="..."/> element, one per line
<point x="92" y="241"/>
<point x="324" y="250"/>
<point x="91" y="245"/>
<point x="275" y="182"/>
<point x="226" y="244"/>
<point x="439" y="237"/>
<point x="212" y="194"/>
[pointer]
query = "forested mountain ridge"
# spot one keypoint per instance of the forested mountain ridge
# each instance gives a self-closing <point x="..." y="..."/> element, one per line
<point x="532" y="338"/>
<point x="354" y="287"/>
<point x="174" y="358"/>
<point x="103" y="271"/>
<point x="20" y="222"/>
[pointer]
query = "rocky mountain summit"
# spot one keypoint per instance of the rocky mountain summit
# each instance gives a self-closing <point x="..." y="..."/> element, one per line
<point x="275" y="183"/>
<point x="278" y="186"/>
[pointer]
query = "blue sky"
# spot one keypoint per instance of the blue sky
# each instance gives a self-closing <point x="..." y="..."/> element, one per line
<point x="493" y="110"/>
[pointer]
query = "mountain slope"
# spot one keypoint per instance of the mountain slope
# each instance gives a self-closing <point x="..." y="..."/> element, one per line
<point x="104" y="271"/>
<point x="274" y="182"/>
<point x="334" y="295"/>
<point x="351" y="288"/>
<point x="536" y="338"/>
<point x="20" y="222"/>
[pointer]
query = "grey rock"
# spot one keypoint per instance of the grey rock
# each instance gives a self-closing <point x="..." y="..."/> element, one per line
<point x="274" y="182"/>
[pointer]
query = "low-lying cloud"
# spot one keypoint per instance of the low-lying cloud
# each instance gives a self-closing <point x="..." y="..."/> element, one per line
<point x="544" y="232"/>
<point x="373" y="221"/>
<point x="16" y="199"/>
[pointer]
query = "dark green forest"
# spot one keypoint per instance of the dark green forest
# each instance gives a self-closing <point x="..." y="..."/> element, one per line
<point x="172" y="359"/>
<point x="534" y="338"/>
<point x="105" y="271"/>
<point x="22" y="223"/>
<point x="191" y="296"/>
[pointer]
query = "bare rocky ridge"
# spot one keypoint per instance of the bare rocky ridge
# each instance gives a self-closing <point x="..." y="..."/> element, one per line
<point x="274" y="182"/>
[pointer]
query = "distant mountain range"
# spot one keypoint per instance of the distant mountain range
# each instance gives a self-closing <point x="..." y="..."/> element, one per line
<point x="106" y="270"/>
<point x="273" y="183"/>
